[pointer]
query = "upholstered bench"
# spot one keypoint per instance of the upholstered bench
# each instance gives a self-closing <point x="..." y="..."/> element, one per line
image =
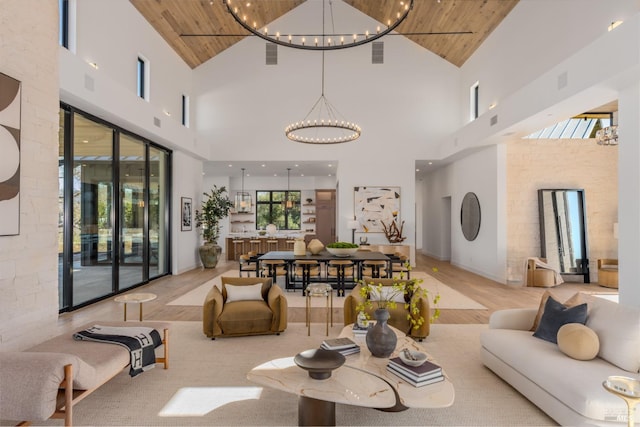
<point x="47" y="380"/>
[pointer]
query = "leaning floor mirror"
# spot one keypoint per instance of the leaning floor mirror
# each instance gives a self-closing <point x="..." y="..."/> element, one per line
<point x="563" y="231"/>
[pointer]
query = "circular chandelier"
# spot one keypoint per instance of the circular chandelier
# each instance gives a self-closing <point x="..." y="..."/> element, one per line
<point x="243" y="13"/>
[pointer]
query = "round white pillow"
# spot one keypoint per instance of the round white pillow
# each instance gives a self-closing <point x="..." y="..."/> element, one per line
<point x="578" y="341"/>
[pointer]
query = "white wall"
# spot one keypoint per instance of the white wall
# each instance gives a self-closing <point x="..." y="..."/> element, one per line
<point x="526" y="45"/>
<point x="29" y="261"/>
<point x="482" y="173"/>
<point x="187" y="182"/>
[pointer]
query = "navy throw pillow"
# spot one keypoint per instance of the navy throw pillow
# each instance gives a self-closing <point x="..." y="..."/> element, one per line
<point x="555" y="315"/>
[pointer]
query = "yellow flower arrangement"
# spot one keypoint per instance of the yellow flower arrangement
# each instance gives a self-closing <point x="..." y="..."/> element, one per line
<point x="387" y="297"/>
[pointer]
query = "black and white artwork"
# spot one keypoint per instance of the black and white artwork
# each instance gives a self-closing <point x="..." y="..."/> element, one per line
<point x="10" y="100"/>
<point x="375" y="205"/>
<point x="186" y="214"/>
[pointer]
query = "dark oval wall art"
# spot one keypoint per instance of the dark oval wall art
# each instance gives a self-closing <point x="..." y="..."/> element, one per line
<point x="470" y="216"/>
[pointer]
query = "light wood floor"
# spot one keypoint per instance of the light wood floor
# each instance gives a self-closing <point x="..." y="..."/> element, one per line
<point x="490" y="294"/>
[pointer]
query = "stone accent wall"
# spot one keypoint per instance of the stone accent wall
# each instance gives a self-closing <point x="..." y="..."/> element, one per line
<point x="28" y="261"/>
<point x="567" y="163"/>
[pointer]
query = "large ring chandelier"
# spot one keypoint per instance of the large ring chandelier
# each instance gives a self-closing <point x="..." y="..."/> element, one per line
<point x="244" y="15"/>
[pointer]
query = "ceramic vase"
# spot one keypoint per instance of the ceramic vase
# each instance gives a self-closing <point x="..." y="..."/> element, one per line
<point x="209" y="254"/>
<point x="381" y="340"/>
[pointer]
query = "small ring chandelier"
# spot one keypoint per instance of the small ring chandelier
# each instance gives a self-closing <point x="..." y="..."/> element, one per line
<point x="240" y="10"/>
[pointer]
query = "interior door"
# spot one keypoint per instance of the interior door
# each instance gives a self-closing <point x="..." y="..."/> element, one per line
<point x="326" y="216"/>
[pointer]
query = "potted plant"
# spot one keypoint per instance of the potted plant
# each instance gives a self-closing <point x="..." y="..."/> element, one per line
<point x="380" y="339"/>
<point x="214" y="208"/>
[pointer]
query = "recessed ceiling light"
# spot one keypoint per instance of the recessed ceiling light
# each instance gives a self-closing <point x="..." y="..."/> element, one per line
<point x="264" y="166"/>
<point x="430" y="163"/>
<point x="417" y="170"/>
<point x="296" y="165"/>
<point x="301" y="174"/>
<point x="330" y="165"/>
<point x="230" y="166"/>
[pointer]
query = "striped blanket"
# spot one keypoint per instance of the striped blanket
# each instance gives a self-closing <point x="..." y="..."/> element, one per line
<point x="140" y="341"/>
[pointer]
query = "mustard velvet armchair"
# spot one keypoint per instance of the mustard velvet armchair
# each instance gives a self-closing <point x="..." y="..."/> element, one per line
<point x="247" y="317"/>
<point x="540" y="277"/>
<point x="399" y="314"/>
<point x="608" y="273"/>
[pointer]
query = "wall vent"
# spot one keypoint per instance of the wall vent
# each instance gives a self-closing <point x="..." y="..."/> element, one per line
<point x="88" y="82"/>
<point x="563" y="80"/>
<point x="272" y="54"/>
<point x="377" y="52"/>
<point x="494" y="120"/>
<point x="156" y="122"/>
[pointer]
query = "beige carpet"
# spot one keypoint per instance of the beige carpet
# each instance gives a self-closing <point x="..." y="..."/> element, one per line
<point x="206" y="385"/>
<point x="449" y="298"/>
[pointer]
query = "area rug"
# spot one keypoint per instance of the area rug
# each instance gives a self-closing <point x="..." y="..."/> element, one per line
<point x="206" y="385"/>
<point x="449" y="298"/>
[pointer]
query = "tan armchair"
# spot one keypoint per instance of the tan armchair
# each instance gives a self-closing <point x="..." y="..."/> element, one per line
<point x="244" y="317"/>
<point x="608" y="273"/>
<point x="540" y="277"/>
<point x="398" y="319"/>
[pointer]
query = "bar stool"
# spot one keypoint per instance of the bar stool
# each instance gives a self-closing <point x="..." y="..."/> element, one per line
<point x="306" y="269"/>
<point x="290" y="244"/>
<point x="340" y="269"/>
<point x="254" y="245"/>
<point x="320" y="290"/>
<point x="272" y="245"/>
<point x="274" y="268"/>
<point x="374" y="268"/>
<point x="236" y="254"/>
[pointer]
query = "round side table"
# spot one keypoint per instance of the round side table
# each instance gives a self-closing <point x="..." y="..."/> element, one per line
<point x="626" y="388"/>
<point x="137" y="298"/>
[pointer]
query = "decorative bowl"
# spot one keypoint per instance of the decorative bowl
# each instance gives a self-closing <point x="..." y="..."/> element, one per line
<point x="319" y="362"/>
<point x="342" y="252"/>
<point x="419" y="357"/>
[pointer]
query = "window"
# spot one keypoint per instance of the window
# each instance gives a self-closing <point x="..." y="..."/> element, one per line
<point x="185" y="111"/>
<point x="63" y="6"/>
<point x="143" y="78"/>
<point x="474" y="97"/>
<point x="270" y="209"/>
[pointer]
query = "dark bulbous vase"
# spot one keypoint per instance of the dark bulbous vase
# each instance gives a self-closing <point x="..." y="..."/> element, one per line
<point x="209" y="254"/>
<point x="381" y="340"/>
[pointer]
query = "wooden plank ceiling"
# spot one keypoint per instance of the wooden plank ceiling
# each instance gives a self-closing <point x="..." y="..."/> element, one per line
<point x="174" y="19"/>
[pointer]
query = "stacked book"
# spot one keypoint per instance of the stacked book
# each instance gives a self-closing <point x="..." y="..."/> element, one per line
<point x="418" y="376"/>
<point x="359" y="330"/>
<point x="344" y="346"/>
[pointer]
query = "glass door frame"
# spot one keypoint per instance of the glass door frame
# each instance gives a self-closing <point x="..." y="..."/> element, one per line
<point x="68" y="181"/>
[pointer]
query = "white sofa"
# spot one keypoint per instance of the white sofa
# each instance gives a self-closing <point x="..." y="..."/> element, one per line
<point x="570" y="391"/>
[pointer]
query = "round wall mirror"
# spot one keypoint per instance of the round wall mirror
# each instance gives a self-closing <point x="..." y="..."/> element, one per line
<point x="470" y="216"/>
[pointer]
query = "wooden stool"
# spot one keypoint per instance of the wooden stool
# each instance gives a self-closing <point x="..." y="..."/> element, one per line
<point x="236" y="253"/>
<point x="306" y="268"/>
<point x="272" y="245"/>
<point x="341" y="267"/>
<point x="254" y="245"/>
<point x="290" y="244"/>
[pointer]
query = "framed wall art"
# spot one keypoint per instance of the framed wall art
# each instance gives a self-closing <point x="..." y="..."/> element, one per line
<point x="375" y="205"/>
<point x="186" y="214"/>
<point x="10" y="106"/>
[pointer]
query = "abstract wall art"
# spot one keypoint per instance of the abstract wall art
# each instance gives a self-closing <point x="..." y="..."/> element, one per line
<point x="10" y="100"/>
<point x="375" y="205"/>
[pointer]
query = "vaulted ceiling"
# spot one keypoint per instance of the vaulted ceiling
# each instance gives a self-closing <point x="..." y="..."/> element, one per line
<point x="198" y="30"/>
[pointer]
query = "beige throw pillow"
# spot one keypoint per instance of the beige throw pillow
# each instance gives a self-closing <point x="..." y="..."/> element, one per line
<point x="578" y="341"/>
<point x="577" y="299"/>
<point x="244" y="292"/>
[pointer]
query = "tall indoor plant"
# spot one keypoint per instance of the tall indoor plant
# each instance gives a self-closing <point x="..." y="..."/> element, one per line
<point x="215" y="207"/>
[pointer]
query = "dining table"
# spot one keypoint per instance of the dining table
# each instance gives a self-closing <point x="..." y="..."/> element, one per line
<point x="323" y="258"/>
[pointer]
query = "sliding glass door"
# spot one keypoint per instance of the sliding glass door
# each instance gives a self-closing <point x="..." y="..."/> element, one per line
<point x="113" y="232"/>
